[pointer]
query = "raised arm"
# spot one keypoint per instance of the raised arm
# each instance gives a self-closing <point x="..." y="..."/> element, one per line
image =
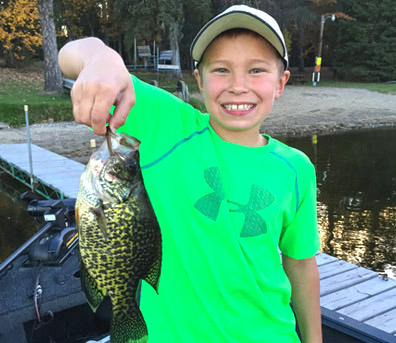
<point x="102" y="80"/>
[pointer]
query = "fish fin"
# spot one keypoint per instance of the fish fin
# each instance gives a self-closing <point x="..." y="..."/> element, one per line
<point x="88" y="284"/>
<point x="101" y="219"/>
<point x="131" y="328"/>
<point x="153" y="275"/>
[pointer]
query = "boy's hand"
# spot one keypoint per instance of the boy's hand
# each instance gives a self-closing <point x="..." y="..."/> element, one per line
<point x="102" y="80"/>
<point x="96" y="90"/>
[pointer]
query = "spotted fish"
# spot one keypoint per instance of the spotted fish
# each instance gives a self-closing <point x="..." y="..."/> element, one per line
<point x="119" y="236"/>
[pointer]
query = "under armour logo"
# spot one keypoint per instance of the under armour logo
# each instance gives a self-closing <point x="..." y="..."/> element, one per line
<point x="209" y="205"/>
<point x="258" y="200"/>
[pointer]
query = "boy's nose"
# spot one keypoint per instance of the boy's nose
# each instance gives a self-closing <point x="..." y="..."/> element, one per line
<point x="238" y="84"/>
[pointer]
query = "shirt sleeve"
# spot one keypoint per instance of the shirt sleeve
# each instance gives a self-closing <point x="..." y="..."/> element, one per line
<point x="300" y="238"/>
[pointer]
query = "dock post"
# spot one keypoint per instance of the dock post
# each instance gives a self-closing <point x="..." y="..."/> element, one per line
<point x="29" y="147"/>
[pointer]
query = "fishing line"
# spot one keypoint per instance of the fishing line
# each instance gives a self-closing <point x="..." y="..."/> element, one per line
<point x="37" y="294"/>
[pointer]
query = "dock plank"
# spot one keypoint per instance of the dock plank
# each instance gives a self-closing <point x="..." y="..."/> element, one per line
<point x="331" y="269"/>
<point x="322" y="259"/>
<point x="371" y="307"/>
<point x="343" y="280"/>
<point x="355" y="293"/>
<point x="385" y="322"/>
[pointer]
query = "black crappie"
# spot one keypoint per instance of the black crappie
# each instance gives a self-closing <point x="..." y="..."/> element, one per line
<point x="119" y="236"/>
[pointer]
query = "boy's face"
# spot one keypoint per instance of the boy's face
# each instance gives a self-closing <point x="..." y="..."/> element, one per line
<point x="240" y="80"/>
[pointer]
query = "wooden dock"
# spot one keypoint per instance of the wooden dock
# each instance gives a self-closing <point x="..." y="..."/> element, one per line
<point x="359" y="302"/>
<point x="55" y="176"/>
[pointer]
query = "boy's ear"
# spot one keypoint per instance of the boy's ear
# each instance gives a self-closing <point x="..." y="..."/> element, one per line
<point x="282" y="83"/>
<point x="199" y="80"/>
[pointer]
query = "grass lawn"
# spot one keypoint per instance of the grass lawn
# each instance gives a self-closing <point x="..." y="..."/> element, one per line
<point x="14" y="94"/>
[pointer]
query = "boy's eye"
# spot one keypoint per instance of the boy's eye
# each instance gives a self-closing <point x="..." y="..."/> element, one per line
<point x="221" y="70"/>
<point x="256" y="70"/>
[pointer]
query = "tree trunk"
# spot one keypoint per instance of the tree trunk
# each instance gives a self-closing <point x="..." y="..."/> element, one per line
<point x="300" y="48"/>
<point x="174" y="36"/>
<point x="52" y="73"/>
<point x="10" y="59"/>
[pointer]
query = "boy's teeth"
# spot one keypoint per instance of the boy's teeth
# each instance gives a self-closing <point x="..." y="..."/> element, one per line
<point x="242" y="107"/>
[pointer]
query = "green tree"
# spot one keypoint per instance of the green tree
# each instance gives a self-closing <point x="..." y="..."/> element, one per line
<point x="196" y="14"/>
<point x="367" y="46"/>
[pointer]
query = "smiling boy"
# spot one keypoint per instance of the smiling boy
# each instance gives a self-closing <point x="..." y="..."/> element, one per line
<point x="240" y="81"/>
<point x="227" y="198"/>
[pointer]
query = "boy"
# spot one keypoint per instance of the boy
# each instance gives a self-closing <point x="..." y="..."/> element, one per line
<point x="227" y="198"/>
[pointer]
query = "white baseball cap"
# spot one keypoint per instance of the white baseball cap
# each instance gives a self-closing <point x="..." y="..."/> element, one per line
<point x="245" y="17"/>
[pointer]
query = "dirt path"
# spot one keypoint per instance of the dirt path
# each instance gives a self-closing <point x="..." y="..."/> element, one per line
<point x="300" y="111"/>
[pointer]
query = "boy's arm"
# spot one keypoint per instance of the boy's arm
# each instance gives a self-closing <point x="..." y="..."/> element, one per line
<point x="102" y="80"/>
<point x="304" y="279"/>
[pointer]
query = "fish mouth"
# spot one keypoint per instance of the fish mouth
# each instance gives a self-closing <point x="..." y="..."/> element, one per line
<point x="123" y="140"/>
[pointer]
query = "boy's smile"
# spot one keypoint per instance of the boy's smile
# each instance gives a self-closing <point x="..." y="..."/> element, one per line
<point x="240" y="81"/>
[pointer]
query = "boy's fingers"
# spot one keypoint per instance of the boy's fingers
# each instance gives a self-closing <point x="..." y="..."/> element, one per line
<point x="122" y="109"/>
<point x="82" y="103"/>
<point x="100" y="113"/>
<point x="98" y="124"/>
<point x="93" y="97"/>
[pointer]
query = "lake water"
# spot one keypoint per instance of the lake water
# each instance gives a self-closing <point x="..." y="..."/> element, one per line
<point x="356" y="175"/>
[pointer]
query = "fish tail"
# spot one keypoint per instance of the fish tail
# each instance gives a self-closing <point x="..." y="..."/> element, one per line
<point x="128" y="327"/>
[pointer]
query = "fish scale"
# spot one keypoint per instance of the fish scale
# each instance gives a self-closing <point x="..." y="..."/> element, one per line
<point x="120" y="240"/>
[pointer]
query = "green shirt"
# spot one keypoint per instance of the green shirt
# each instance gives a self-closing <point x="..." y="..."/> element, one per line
<point x="225" y="211"/>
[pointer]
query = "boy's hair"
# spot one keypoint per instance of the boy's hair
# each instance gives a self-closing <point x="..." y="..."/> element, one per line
<point x="234" y="33"/>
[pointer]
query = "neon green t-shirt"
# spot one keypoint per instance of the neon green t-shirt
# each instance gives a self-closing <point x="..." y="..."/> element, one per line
<point x="225" y="212"/>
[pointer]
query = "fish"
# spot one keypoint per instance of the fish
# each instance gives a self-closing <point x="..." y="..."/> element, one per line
<point x="120" y="240"/>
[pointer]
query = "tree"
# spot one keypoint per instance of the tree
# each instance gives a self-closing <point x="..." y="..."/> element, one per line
<point x="196" y="14"/>
<point x="80" y="17"/>
<point x="139" y="20"/>
<point x="19" y="29"/>
<point x="171" y="16"/>
<point x="367" y="46"/>
<point x="52" y="73"/>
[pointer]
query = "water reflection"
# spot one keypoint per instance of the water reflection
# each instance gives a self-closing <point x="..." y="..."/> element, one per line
<point x="356" y="176"/>
<point x="16" y="226"/>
